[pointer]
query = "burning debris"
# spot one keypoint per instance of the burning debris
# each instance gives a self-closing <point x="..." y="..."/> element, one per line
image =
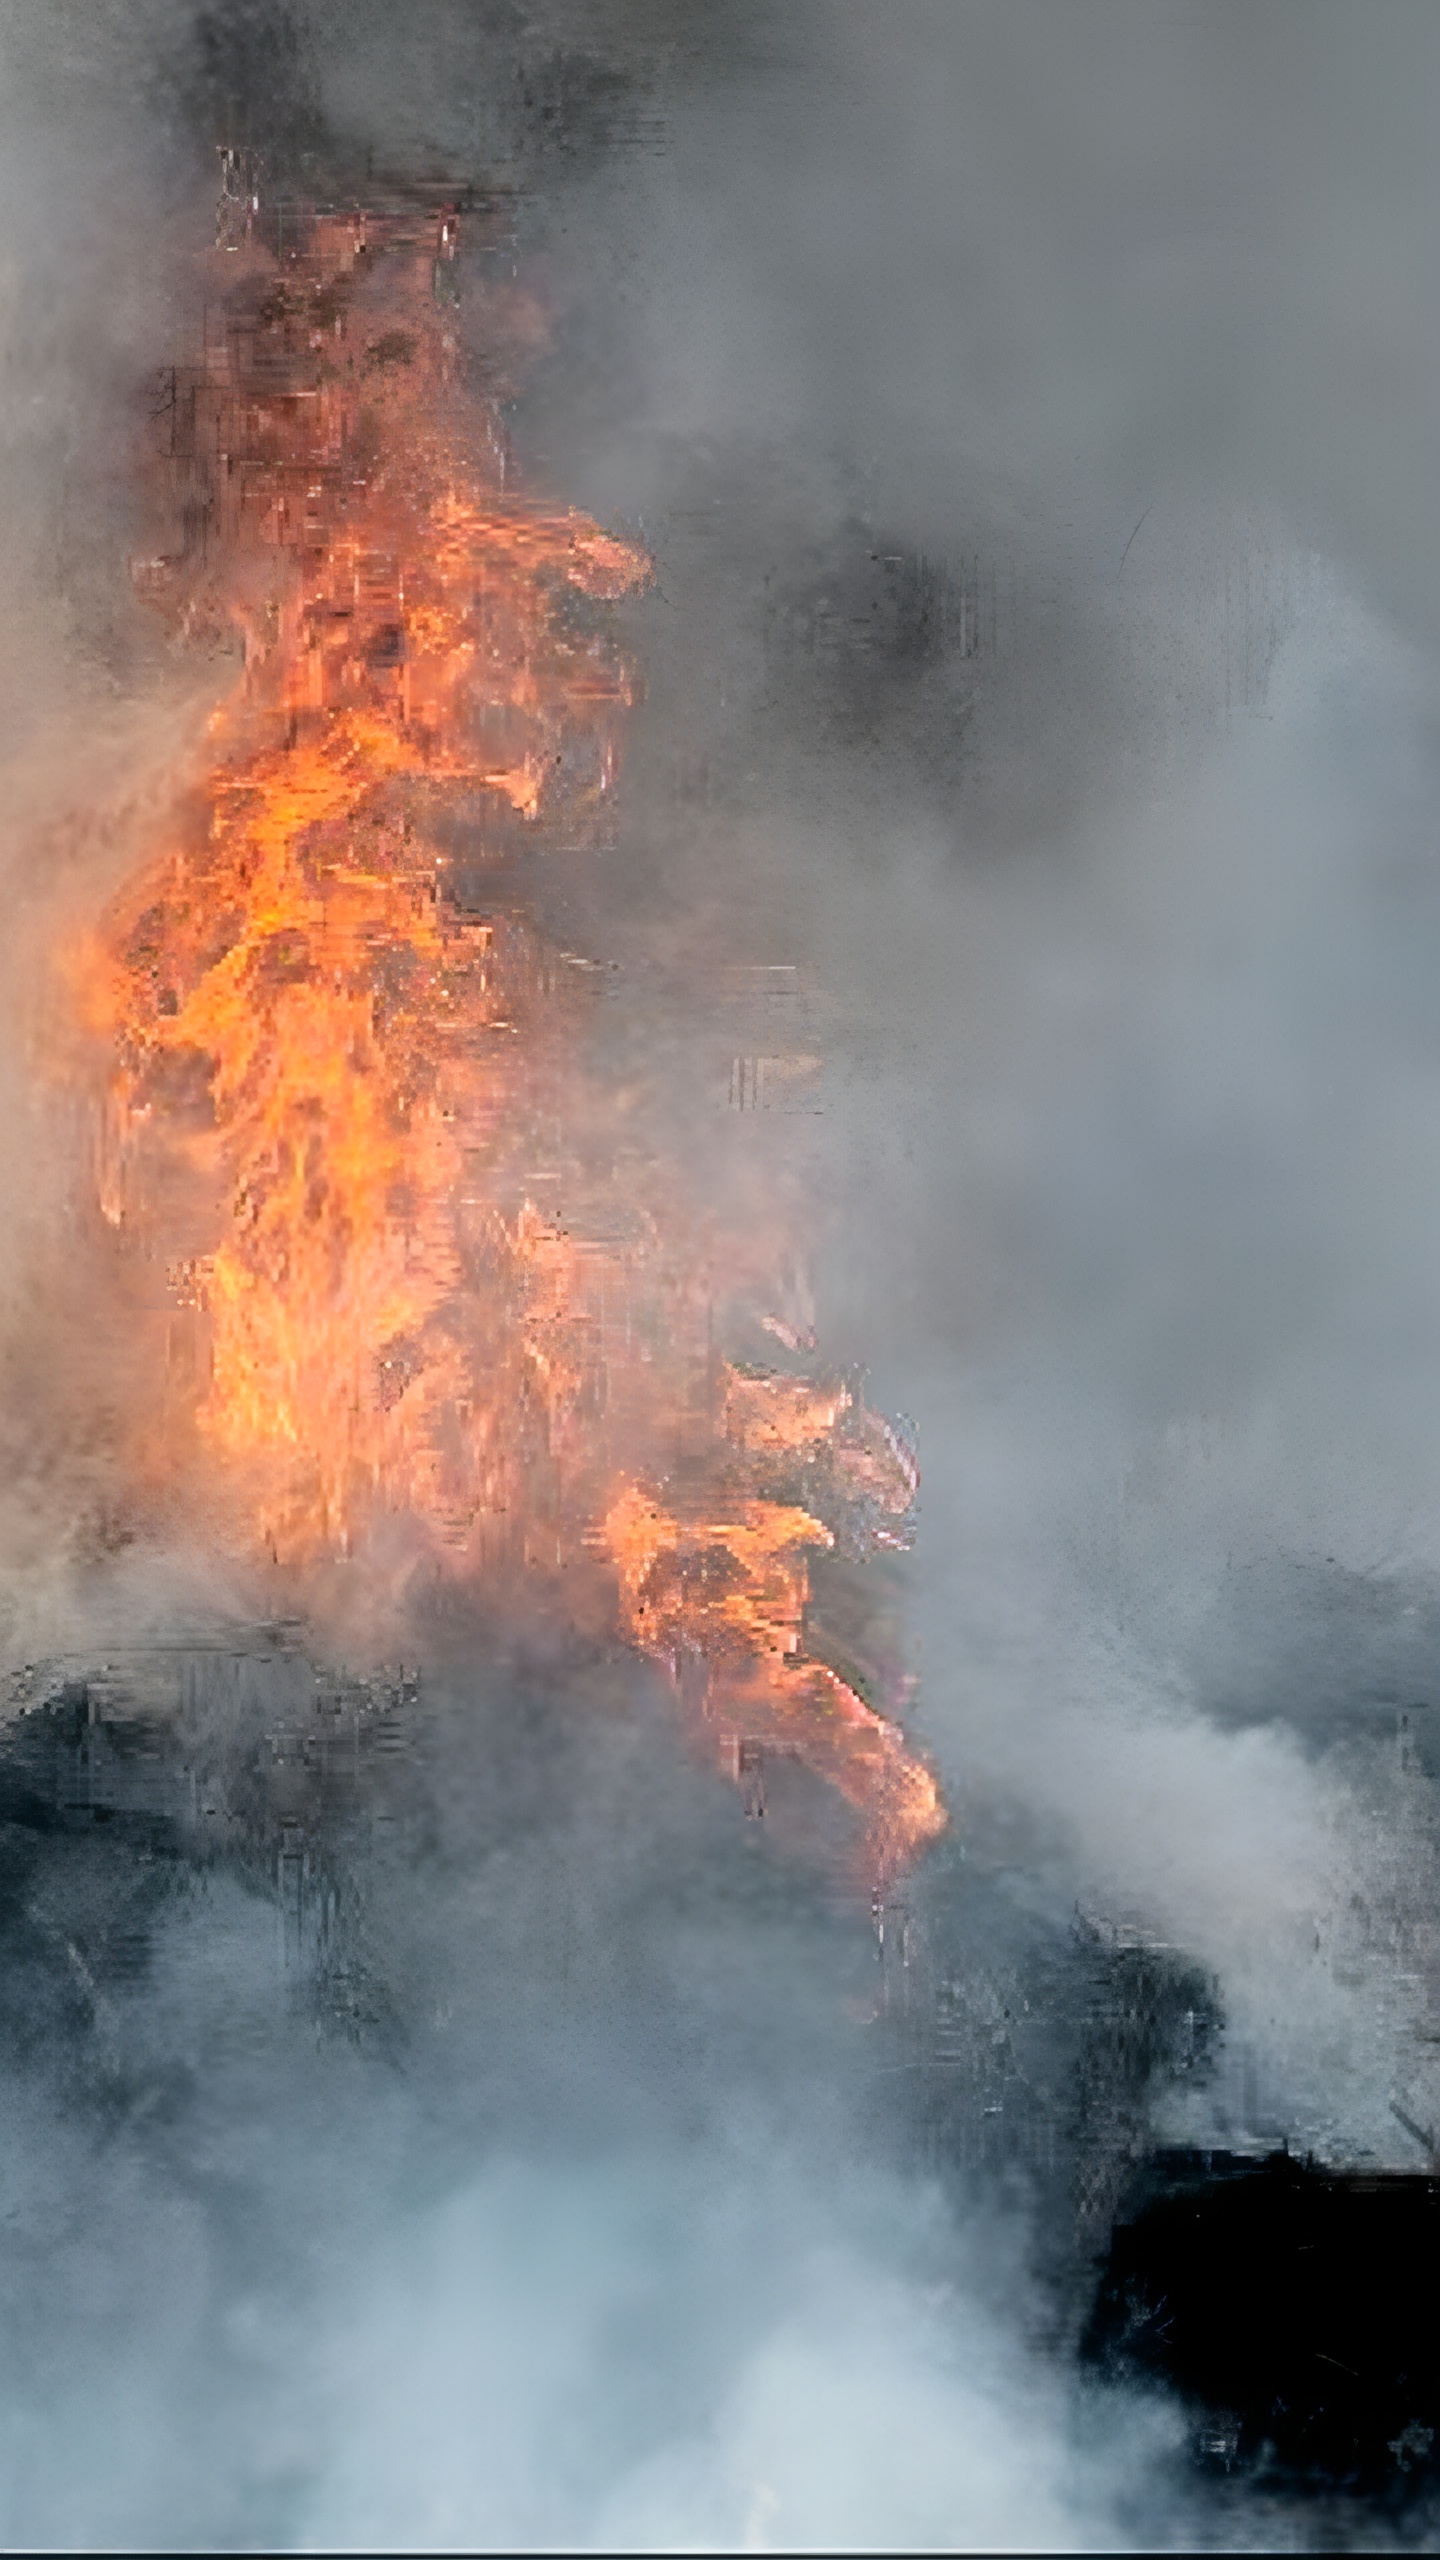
<point x="419" y="1270"/>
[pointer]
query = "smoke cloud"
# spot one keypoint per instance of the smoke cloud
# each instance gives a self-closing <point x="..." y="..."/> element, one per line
<point x="1031" y="417"/>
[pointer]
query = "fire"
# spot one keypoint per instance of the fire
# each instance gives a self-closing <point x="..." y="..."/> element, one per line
<point x="331" y="1085"/>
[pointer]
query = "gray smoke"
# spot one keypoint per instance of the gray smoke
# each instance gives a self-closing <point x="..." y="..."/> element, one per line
<point x="1031" y="413"/>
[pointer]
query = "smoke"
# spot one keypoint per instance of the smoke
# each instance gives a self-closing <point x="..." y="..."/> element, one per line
<point x="1031" y="416"/>
<point x="578" y="2219"/>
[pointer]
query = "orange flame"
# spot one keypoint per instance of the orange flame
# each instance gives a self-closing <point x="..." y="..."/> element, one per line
<point x="332" y="1077"/>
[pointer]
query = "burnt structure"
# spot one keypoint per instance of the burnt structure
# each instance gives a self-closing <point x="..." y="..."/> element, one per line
<point x="1293" y="2307"/>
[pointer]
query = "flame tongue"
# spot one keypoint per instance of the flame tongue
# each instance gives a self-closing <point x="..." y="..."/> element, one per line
<point x="347" y="1075"/>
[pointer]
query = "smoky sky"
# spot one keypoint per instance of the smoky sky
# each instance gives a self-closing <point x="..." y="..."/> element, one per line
<point x="1031" y="413"/>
